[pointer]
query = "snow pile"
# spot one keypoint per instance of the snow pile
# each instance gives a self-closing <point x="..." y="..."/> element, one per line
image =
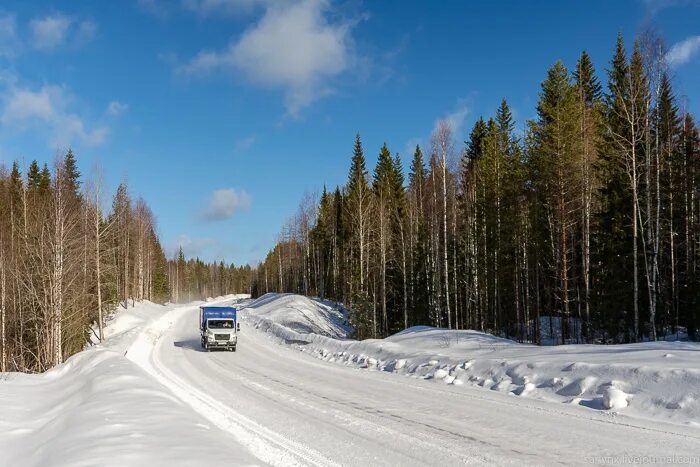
<point x="658" y="380"/>
<point x="295" y="318"/>
<point x="100" y="408"/>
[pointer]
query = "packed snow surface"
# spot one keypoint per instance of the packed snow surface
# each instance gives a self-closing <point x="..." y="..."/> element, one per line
<point x="658" y="380"/>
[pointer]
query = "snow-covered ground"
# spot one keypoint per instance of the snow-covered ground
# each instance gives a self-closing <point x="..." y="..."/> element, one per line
<point x="151" y="396"/>
<point x="101" y="409"/>
<point x="657" y="380"/>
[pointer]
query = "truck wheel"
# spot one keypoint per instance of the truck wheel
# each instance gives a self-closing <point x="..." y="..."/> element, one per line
<point x="233" y="348"/>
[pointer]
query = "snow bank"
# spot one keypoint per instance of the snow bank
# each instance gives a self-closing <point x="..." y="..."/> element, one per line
<point x="100" y="408"/>
<point x="295" y="317"/>
<point x="658" y="380"/>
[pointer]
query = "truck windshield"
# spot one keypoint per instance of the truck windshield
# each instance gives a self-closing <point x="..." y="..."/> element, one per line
<point x="220" y="323"/>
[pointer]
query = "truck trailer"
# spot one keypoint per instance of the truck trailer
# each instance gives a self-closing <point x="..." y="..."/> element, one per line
<point x="218" y="327"/>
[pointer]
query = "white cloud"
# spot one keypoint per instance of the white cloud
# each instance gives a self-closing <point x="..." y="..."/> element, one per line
<point x="191" y="246"/>
<point x="50" y="32"/>
<point x="224" y="203"/>
<point x="54" y="31"/>
<point x="205" y="248"/>
<point x="682" y="51"/>
<point x="294" y="47"/>
<point x="116" y="108"/>
<point x="654" y="7"/>
<point x="8" y="35"/>
<point x="48" y="107"/>
<point x="456" y="117"/>
<point x="410" y="149"/>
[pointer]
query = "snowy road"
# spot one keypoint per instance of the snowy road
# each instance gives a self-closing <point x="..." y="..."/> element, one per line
<point x="290" y="408"/>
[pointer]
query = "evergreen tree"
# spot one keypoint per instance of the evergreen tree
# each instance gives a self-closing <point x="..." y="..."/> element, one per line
<point x="44" y="179"/>
<point x="613" y="239"/>
<point x="594" y="206"/>
<point x="418" y="280"/>
<point x="557" y="181"/>
<point x="359" y="200"/>
<point x="586" y="79"/>
<point x="72" y="174"/>
<point x="33" y="176"/>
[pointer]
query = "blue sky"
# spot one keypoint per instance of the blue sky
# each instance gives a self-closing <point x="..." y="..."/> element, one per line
<point x="223" y="113"/>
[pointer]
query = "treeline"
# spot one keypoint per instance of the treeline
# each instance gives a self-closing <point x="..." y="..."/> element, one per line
<point x="65" y="263"/>
<point x="194" y="279"/>
<point x="591" y="216"/>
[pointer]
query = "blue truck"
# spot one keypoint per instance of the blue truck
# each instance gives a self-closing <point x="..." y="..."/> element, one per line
<point x="218" y="327"/>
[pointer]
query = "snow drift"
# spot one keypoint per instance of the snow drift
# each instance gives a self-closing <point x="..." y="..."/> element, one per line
<point x="658" y="380"/>
<point x="100" y="408"/>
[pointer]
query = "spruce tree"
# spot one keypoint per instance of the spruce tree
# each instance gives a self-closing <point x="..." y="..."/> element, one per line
<point x="417" y="174"/>
<point x="504" y="120"/>
<point x="418" y="280"/>
<point x="613" y="239"/>
<point x="589" y="92"/>
<point x="675" y="193"/>
<point x="586" y="79"/>
<point x="382" y="187"/>
<point x="45" y="179"/>
<point x="475" y="144"/>
<point x="357" y="178"/>
<point x="33" y="176"/>
<point x="358" y="210"/>
<point x="71" y="172"/>
<point x="16" y="189"/>
<point x="557" y="181"/>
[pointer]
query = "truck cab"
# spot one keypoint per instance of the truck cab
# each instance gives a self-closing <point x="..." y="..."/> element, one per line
<point x="218" y="326"/>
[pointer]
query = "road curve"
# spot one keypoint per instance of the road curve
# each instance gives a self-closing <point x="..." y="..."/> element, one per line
<point x="292" y="409"/>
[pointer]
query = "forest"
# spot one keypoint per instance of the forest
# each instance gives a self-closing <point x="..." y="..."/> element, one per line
<point x="589" y="217"/>
<point x="66" y="263"/>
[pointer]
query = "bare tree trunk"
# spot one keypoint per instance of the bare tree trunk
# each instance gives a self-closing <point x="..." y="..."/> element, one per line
<point x="3" y="294"/>
<point x="444" y="232"/>
<point x="403" y="274"/>
<point x="635" y="202"/>
<point x="58" y="269"/>
<point x="98" y="262"/>
<point x="442" y="142"/>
